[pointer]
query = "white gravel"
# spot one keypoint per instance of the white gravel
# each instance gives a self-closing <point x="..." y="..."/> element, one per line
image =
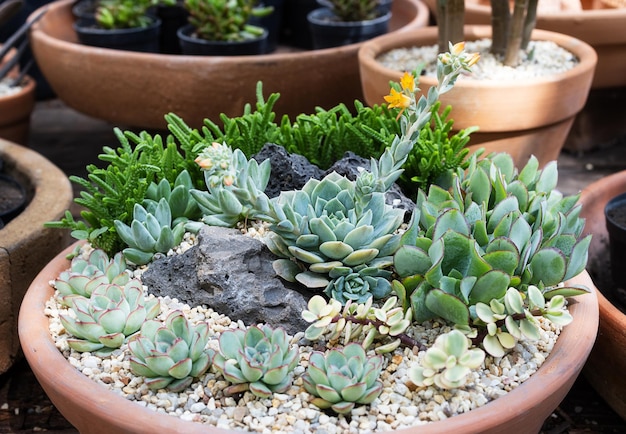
<point x="6" y="89"/>
<point x="543" y="58"/>
<point x="400" y="405"/>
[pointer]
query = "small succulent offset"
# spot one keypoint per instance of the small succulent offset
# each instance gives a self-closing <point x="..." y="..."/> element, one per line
<point x="343" y="378"/>
<point x="85" y="274"/>
<point x="493" y="230"/>
<point x="259" y="359"/>
<point x="170" y="354"/>
<point x="447" y="363"/>
<point x="358" y="322"/>
<point x="112" y="313"/>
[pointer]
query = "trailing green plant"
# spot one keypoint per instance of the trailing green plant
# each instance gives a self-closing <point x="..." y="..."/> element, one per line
<point x="85" y="274"/>
<point x="353" y="10"/>
<point x="103" y="322"/>
<point x="386" y="325"/>
<point x="110" y="193"/>
<point x="123" y="14"/>
<point x="225" y="20"/>
<point x="170" y="354"/>
<point x="493" y="230"/>
<point x="343" y="378"/>
<point x="447" y="363"/>
<point x="259" y="359"/>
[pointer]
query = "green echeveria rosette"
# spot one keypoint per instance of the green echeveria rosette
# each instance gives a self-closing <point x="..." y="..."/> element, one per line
<point x="170" y="354"/>
<point x="86" y="274"/>
<point x="103" y="322"/>
<point x="259" y="359"/>
<point x="343" y="378"/>
<point x="332" y="240"/>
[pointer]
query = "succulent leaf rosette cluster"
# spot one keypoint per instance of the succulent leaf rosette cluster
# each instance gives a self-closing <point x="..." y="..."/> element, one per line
<point x="170" y="353"/>
<point x="259" y="359"/>
<point x="343" y="378"/>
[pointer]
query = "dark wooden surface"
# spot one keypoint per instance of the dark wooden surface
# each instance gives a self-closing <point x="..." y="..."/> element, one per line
<point x="72" y="140"/>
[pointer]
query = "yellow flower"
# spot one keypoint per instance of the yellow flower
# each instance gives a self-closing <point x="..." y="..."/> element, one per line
<point x="408" y="82"/>
<point x="397" y="99"/>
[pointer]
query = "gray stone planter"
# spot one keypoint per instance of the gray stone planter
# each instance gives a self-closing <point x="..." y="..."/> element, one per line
<point x="25" y="245"/>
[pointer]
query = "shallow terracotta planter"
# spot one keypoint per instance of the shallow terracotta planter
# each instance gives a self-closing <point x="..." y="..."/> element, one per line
<point x="25" y="246"/>
<point x="15" y="111"/>
<point x="93" y="409"/>
<point x="598" y="25"/>
<point x="138" y="89"/>
<point x="521" y="117"/>
<point x="607" y="362"/>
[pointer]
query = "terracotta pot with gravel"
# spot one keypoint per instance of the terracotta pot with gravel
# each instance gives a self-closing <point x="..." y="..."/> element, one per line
<point x="25" y="245"/>
<point x="607" y="362"/>
<point x="523" y="117"/>
<point x="92" y="408"/>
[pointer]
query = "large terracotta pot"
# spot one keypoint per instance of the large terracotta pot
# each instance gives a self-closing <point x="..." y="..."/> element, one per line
<point x="598" y="25"/>
<point x="93" y="409"/>
<point x="607" y="362"/>
<point x="137" y="89"/>
<point x="25" y="245"/>
<point x="521" y="117"/>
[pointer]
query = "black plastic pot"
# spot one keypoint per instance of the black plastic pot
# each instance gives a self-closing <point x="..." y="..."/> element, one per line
<point x="144" y="39"/>
<point x="271" y="22"/>
<point x="328" y="31"/>
<point x="295" y="30"/>
<point x="615" y="215"/>
<point x="201" y="47"/>
<point x="172" y="18"/>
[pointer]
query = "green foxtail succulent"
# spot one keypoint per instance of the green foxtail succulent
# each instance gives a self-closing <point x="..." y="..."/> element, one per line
<point x="447" y="363"/>
<point x="353" y="10"/>
<point x="150" y="232"/>
<point x="358" y="322"/>
<point x="170" y="354"/>
<point x="343" y="378"/>
<point x="259" y="359"/>
<point x="85" y="274"/>
<point x="494" y="229"/>
<point x="113" y="312"/>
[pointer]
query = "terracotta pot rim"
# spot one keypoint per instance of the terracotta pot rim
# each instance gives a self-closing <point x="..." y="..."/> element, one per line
<point x="41" y="353"/>
<point x="422" y="14"/>
<point x="585" y="53"/>
<point x="566" y="16"/>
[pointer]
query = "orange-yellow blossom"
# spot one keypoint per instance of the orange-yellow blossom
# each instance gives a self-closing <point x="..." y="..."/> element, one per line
<point x="408" y="82"/>
<point x="397" y="99"/>
<point x="473" y="59"/>
<point x="458" y="48"/>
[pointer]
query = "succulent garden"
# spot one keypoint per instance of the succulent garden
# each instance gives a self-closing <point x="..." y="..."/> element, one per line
<point x="480" y="260"/>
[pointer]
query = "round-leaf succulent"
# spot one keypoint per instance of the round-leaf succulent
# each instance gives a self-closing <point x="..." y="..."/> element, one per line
<point x="259" y="359"/>
<point x="343" y="378"/>
<point x="170" y="354"/>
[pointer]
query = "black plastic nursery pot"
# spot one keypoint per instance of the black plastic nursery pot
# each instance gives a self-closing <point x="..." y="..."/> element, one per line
<point x="195" y="46"/>
<point x="143" y="39"/>
<point x="615" y="215"/>
<point x="327" y="31"/>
